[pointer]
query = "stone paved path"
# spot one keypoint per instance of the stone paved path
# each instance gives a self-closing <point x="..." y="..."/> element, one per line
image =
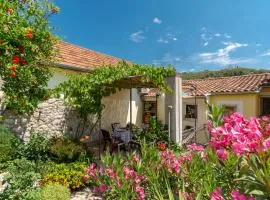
<point x="85" y="194"/>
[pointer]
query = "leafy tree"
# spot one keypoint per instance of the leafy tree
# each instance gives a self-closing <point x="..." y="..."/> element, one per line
<point x="27" y="47"/>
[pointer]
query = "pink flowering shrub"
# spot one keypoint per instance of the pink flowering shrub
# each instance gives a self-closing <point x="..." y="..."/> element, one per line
<point x="235" y="166"/>
<point x="249" y="141"/>
<point x="216" y="194"/>
<point x="236" y="195"/>
<point x="242" y="136"/>
<point x="112" y="181"/>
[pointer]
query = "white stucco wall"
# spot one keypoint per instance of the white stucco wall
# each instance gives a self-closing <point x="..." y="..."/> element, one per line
<point x="161" y="108"/>
<point x="202" y="115"/>
<point x="117" y="109"/>
<point x="57" y="78"/>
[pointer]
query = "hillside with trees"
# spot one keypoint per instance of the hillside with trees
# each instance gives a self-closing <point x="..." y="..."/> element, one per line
<point x="236" y="71"/>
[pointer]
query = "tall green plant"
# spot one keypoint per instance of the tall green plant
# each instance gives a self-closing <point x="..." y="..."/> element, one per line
<point x="215" y="114"/>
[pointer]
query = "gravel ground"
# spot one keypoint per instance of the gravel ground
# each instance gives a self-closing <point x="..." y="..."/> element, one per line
<point x="85" y="194"/>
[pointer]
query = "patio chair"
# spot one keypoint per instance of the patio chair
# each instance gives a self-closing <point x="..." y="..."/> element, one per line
<point x="115" y="126"/>
<point x="111" y="143"/>
<point x="134" y="146"/>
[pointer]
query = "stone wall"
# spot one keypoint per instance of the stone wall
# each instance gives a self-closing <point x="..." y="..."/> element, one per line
<point x="52" y="118"/>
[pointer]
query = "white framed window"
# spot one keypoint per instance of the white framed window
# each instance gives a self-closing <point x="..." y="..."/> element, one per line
<point x="232" y="106"/>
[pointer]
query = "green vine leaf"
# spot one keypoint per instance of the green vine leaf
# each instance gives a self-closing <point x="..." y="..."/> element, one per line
<point x="86" y="92"/>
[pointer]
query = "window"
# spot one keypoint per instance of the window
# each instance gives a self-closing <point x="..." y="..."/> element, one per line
<point x="230" y="109"/>
<point x="191" y="111"/>
<point x="265" y="106"/>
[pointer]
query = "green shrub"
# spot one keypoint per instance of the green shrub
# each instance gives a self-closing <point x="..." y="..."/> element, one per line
<point x="8" y="145"/>
<point x="37" y="148"/>
<point x="156" y="132"/>
<point x="22" y="175"/>
<point x="69" y="175"/>
<point x="55" y="192"/>
<point x="31" y="194"/>
<point x="66" y="150"/>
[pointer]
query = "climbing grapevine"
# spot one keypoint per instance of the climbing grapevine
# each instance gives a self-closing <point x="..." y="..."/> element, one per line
<point x="27" y="48"/>
<point x="85" y="92"/>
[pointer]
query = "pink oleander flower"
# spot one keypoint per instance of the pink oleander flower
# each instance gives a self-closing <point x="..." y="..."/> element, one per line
<point x="138" y="179"/>
<point x="92" y="166"/>
<point x="100" y="189"/>
<point x="136" y="157"/>
<point x="186" y="157"/>
<point x="204" y="156"/>
<point x="171" y="162"/>
<point x="216" y="194"/>
<point x="85" y="177"/>
<point x="119" y="183"/>
<point x="265" y="118"/>
<point x="140" y="191"/>
<point x="266" y="144"/>
<point x="101" y="171"/>
<point x="195" y="147"/>
<point x="241" y="136"/>
<point x="236" y="195"/>
<point x="129" y="173"/>
<point x="186" y="196"/>
<point x="110" y="172"/>
<point x="222" y="154"/>
<point x="91" y="171"/>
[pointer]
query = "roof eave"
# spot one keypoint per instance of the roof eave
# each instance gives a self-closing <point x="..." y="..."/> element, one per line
<point x="74" y="68"/>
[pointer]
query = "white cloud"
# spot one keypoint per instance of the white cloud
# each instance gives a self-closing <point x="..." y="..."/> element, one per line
<point x="223" y="56"/>
<point x="167" y="38"/>
<point x="157" y="21"/>
<point x="267" y="53"/>
<point x="168" y="59"/>
<point x="203" y="29"/>
<point x="205" y="37"/>
<point x="171" y="36"/>
<point x="226" y="35"/>
<point x="258" y="45"/>
<point x="137" y="37"/>
<point x="205" y="44"/>
<point x="163" y="41"/>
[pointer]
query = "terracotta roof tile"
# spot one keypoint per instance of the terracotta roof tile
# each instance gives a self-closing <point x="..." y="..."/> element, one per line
<point x="234" y="84"/>
<point x="76" y="56"/>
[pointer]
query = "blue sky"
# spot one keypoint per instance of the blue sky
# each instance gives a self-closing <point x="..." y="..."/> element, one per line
<point x="190" y="35"/>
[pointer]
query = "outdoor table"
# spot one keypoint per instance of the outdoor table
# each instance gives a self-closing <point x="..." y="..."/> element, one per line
<point x="123" y="134"/>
